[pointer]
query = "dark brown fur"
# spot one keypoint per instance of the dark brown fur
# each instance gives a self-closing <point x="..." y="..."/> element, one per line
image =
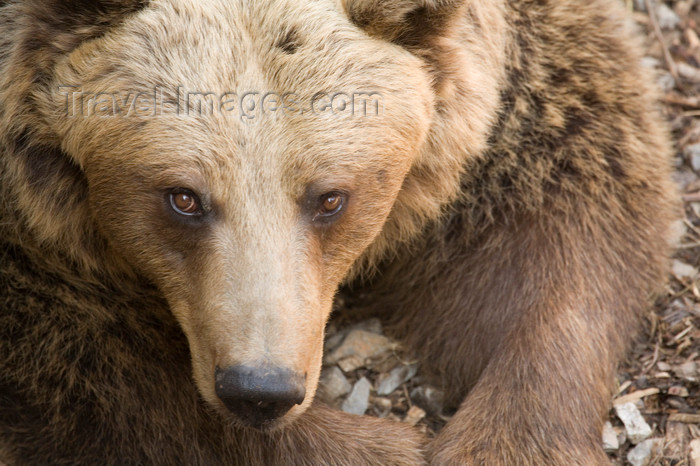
<point x="522" y="293"/>
<point x="543" y="266"/>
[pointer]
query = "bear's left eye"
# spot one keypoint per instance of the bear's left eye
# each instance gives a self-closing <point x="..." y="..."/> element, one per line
<point x="185" y="202"/>
<point x="331" y="204"/>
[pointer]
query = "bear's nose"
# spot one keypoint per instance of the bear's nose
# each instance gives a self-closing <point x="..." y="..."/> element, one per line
<point x="259" y="395"/>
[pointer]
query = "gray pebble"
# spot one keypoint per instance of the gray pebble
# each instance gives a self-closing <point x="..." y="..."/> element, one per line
<point x="333" y="384"/>
<point x="610" y="441"/>
<point x="429" y="398"/>
<point x="637" y="428"/>
<point x="395" y="378"/>
<point x="358" y="400"/>
<point x="666" y="17"/>
<point x="642" y="454"/>
<point x="359" y="344"/>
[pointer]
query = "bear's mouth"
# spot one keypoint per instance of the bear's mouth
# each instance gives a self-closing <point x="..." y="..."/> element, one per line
<point x="259" y="415"/>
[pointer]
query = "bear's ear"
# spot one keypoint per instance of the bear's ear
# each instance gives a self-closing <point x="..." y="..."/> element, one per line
<point x="59" y="26"/>
<point x="34" y="35"/>
<point x="71" y="15"/>
<point x="411" y="23"/>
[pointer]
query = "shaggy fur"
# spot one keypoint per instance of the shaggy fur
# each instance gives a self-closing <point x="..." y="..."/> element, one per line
<point x="508" y="213"/>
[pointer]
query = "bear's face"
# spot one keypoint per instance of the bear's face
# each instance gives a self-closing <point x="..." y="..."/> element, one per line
<point x="246" y="218"/>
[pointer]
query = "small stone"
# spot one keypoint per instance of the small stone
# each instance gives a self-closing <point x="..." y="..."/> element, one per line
<point x="361" y="345"/>
<point x="642" y="454"/>
<point x="351" y="363"/>
<point x="333" y="384"/>
<point x="373" y="325"/>
<point x="414" y="415"/>
<point x="358" y="400"/>
<point x="684" y="178"/>
<point x="666" y="81"/>
<point x="681" y="269"/>
<point x="384" y="363"/>
<point x="650" y="62"/>
<point x="429" y="398"/>
<point x="683" y="7"/>
<point x="678" y="390"/>
<point x="666" y="17"/>
<point x="382" y="406"/>
<point x="688" y="72"/>
<point x="677" y="231"/>
<point x="636" y="427"/>
<point x="333" y="341"/>
<point x="663" y="366"/>
<point x="610" y="443"/>
<point x="395" y="378"/>
<point x="687" y="371"/>
<point x="694" y="453"/>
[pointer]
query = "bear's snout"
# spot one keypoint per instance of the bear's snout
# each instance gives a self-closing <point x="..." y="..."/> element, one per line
<point x="259" y="395"/>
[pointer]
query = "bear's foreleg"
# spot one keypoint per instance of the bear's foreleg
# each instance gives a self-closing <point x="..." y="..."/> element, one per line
<point x="326" y="436"/>
<point x="525" y="323"/>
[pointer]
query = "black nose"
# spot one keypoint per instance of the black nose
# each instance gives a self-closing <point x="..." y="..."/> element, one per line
<point x="259" y="395"/>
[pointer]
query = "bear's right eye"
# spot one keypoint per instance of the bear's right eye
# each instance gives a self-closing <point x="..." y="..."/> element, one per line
<point x="185" y="202"/>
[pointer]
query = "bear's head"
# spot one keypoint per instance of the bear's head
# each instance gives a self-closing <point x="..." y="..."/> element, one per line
<point x="241" y="156"/>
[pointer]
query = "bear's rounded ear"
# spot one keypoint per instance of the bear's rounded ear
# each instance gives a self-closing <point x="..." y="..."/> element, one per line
<point x="34" y="35"/>
<point x="71" y="15"/>
<point x="54" y="27"/>
<point x="410" y="23"/>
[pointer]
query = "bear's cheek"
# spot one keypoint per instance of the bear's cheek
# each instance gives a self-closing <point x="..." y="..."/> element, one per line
<point x="135" y="228"/>
<point x="367" y="212"/>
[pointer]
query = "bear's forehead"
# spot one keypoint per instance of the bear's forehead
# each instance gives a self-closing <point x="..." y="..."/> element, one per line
<point x="236" y="47"/>
<point x="295" y="46"/>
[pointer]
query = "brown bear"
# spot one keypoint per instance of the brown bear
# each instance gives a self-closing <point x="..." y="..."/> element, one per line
<point x="185" y="185"/>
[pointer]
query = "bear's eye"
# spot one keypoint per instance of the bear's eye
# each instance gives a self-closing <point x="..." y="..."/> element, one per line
<point x="185" y="202"/>
<point x="331" y="204"/>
